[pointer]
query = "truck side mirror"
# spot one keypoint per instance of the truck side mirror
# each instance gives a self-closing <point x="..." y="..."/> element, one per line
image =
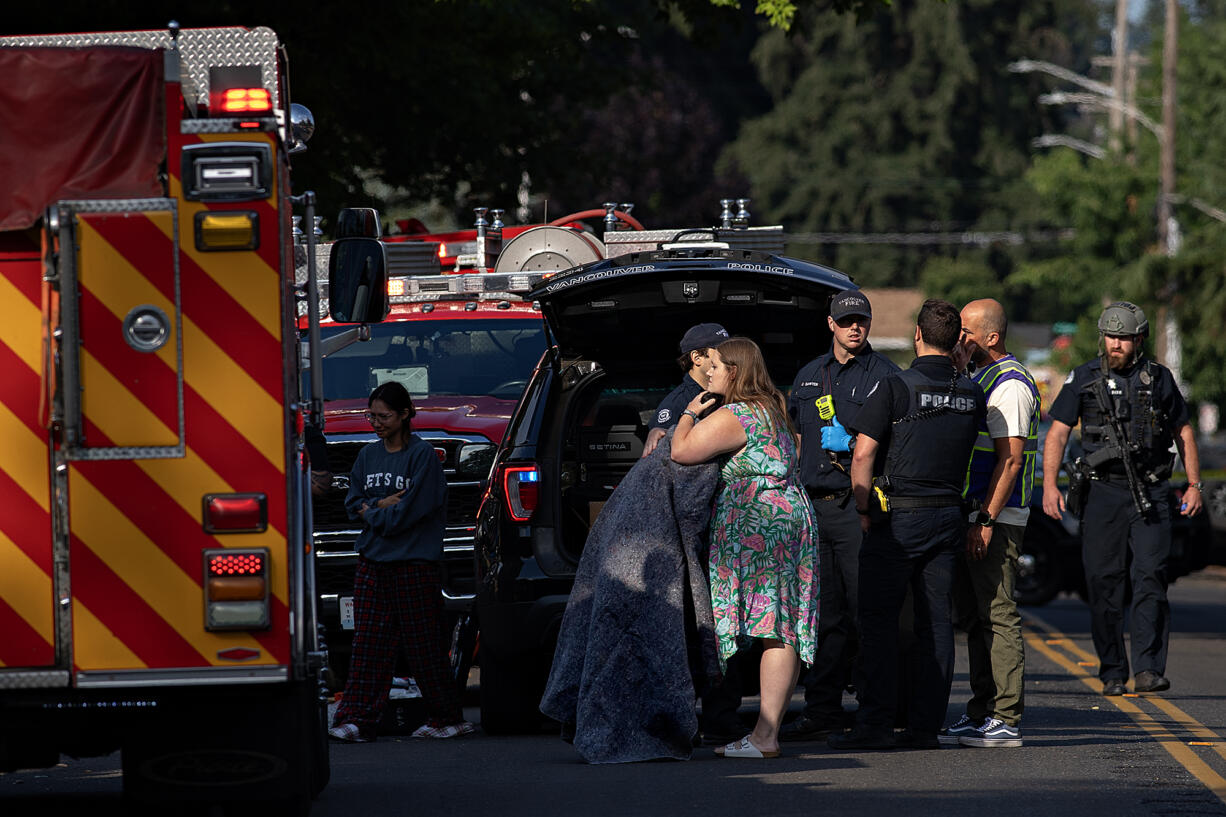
<point x="357" y="281"/>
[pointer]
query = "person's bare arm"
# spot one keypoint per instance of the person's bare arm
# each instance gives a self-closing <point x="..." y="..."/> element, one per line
<point x="720" y="433"/>
<point x="1053" y="456"/>
<point x="862" y="475"/>
<point x="653" y="439"/>
<point x="1189" y="455"/>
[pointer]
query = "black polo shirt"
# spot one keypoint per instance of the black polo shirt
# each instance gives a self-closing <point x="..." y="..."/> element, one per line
<point x="670" y="408"/>
<point x="849" y="383"/>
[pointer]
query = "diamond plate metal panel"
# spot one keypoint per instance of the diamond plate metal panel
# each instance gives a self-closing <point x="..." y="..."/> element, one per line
<point x="199" y="48"/>
<point x="42" y="679"/>
<point x="769" y="239"/>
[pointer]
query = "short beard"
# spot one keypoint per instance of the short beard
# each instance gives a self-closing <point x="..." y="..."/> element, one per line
<point x="1118" y="361"/>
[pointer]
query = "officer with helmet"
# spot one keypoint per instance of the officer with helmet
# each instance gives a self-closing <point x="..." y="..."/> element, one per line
<point x="1128" y="505"/>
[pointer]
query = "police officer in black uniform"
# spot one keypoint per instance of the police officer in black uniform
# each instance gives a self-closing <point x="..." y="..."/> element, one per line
<point x="915" y="435"/>
<point x="696" y="345"/>
<point x="825" y="398"/>
<point x="1142" y="397"/>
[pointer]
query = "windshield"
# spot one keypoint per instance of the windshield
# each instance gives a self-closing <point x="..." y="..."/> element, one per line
<point x="437" y="358"/>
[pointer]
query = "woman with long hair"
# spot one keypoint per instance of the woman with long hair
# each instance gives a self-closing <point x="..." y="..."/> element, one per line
<point x="763" y="557"/>
<point x="398" y="491"/>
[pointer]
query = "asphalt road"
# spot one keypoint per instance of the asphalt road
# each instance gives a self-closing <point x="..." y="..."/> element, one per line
<point x="1084" y="753"/>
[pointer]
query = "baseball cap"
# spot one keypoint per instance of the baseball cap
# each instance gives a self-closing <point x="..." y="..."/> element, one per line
<point x="702" y="336"/>
<point x="850" y="302"/>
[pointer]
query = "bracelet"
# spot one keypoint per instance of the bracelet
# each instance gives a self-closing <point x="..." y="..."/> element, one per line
<point x="1198" y="485"/>
<point x="864" y="512"/>
<point x="690" y="414"/>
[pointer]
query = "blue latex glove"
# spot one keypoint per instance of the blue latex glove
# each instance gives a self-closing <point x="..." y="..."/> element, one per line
<point x="835" y="437"/>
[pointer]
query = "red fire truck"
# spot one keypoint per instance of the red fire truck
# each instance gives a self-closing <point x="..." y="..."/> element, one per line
<point x="156" y="591"/>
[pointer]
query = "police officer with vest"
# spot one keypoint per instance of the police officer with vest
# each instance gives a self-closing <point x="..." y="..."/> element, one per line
<point x="999" y="483"/>
<point x="824" y="399"/>
<point x="914" y="439"/>
<point x="1128" y="505"/>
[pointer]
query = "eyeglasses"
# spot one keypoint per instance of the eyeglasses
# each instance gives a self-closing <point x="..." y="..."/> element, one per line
<point x="852" y="320"/>
<point x="383" y="418"/>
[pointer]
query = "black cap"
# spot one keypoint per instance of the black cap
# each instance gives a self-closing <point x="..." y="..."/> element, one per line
<point x="850" y="302"/>
<point x="703" y="336"/>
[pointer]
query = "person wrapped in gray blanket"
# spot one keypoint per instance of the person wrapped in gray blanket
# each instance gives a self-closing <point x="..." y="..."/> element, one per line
<point x="621" y="674"/>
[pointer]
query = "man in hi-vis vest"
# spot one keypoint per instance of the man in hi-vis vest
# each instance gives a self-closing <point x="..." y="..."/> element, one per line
<point x="1000" y="480"/>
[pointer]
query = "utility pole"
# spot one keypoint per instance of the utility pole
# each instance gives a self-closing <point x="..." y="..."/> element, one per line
<point x="1119" y="54"/>
<point x="1170" y="58"/>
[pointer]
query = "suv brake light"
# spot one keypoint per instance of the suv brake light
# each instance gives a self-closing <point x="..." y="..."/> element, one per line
<point x="521" y="488"/>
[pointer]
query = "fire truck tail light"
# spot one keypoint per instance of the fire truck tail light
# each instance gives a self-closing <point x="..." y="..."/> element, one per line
<point x="227" y="231"/>
<point x="235" y="513"/>
<point x="521" y="490"/>
<point x="236" y="589"/>
<point x="395" y="286"/>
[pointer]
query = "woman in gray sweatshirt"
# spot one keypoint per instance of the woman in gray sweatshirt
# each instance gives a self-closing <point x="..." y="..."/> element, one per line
<point x="398" y="491"/>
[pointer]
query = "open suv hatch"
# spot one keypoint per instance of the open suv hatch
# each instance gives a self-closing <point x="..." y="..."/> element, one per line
<point x="580" y="426"/>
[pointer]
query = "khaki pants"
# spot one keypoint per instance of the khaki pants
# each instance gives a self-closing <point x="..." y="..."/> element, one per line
<point x="983" y="599"/>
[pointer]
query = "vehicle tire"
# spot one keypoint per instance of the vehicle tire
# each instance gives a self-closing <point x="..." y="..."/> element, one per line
<point x="511" y="690"/>
<point x="1039" y="574"/>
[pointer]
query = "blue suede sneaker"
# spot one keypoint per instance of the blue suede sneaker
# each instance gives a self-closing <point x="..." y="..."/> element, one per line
<point x="952" y="735"/>
<point x="994" y="734"/>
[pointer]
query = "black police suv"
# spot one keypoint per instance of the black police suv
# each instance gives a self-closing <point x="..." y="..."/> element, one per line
<point x="580" y="425"/>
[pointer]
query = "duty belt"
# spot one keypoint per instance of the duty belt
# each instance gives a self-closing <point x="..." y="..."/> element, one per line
<point x="899" y="503"/>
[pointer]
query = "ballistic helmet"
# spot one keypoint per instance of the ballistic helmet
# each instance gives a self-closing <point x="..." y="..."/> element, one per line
<point x="1123" y="318"/>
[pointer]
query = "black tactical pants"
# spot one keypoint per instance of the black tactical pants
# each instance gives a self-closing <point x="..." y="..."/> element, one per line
<point x="916" y="549"/>
<point x="1111" y="528"/>
<point x="839" y="539"/>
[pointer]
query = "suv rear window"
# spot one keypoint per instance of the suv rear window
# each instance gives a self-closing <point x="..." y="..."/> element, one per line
<point x="437" y="358"/>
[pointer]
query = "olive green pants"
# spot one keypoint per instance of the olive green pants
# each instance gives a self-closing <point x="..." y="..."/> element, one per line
<point x="984" y="607"/>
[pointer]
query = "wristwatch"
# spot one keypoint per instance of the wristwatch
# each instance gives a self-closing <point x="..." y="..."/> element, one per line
<point x="983" y="518"/>
<point x="1200" y="486"/>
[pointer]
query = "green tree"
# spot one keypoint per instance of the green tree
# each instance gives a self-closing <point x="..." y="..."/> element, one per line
<point x="907" y="121"/>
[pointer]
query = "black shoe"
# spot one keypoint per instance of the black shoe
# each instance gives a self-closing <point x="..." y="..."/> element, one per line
<point x="1150" y="681"/>
<point x="806" y="728"/>
<point x="861" y="738"/>
<point x="907" y="739"/>
<point x="1114" y="687"/>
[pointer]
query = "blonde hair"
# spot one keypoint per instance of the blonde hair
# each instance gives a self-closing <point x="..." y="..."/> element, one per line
<point x="751" y="382"/>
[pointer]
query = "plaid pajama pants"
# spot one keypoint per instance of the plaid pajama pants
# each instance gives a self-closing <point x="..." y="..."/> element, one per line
<point x="397" y="604"/>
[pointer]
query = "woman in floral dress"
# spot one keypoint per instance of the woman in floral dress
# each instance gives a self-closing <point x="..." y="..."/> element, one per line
<point x="763" y="563"/>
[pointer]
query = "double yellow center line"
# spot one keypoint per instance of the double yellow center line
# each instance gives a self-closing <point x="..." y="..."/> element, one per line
<point x="1057" y="647"/>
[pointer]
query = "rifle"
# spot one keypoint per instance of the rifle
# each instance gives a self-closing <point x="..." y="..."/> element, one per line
<point x="1117" y="447"/>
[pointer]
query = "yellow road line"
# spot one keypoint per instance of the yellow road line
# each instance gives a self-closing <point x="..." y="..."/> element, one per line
<point x="1173" y="745"/>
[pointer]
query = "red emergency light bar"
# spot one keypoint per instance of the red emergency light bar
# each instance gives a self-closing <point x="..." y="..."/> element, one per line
<point x="246" y="100"/>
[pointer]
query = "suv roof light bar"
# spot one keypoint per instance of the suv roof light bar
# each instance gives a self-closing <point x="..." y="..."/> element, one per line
<point x="498" y="286"/>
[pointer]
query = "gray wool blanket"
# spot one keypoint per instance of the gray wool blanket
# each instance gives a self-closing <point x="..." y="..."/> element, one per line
<point x="624" y="673"/>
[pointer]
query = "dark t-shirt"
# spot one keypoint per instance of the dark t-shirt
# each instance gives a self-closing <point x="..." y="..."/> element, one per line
<point x="670" y="408"/>
<point x="849" y="383"/>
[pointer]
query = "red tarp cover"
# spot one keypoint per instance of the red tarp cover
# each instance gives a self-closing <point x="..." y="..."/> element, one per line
<point x="78" y="123"/>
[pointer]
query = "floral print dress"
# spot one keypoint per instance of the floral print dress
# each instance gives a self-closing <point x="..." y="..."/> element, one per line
<point x="763" y="561"/>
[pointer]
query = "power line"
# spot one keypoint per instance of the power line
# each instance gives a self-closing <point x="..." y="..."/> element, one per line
<point x="980" y="238"/>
